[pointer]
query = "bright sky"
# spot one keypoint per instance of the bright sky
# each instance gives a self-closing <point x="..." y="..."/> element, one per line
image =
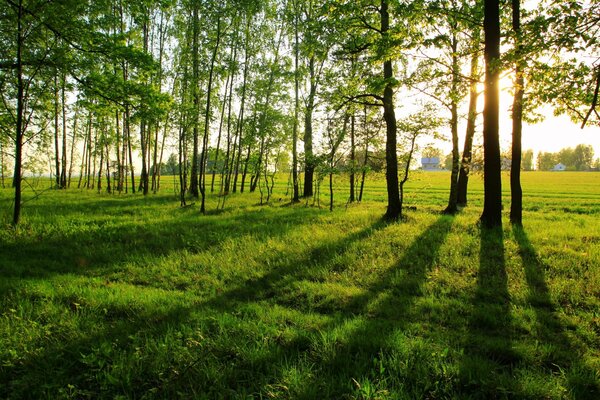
<point x="550" y="135"/>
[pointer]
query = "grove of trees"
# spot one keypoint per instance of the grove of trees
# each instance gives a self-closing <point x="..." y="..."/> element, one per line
<point x="100" y="94"/>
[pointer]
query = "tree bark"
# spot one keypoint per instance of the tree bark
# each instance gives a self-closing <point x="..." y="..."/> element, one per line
<point x="492" y="205"/>
<point x="452" y="207"/>
<point x="352" y="157"/>
<point x="196" y="101"/>
<point x="465" y="165"/>
<point x="56" y="129"/>
<point x="516" y="192"/>
<point x="394" y="207"/>
<point x="296" y="195"/>
<point x="19" y="117"/>
<point x="207" y="114"/>
<point x="63" y="169"/>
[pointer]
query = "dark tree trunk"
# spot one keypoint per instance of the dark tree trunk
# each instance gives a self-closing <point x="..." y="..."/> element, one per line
<point x="63" y="169"/>
<point x="128" y="128"/>
<point x="207" y="114"/>
<point x="19" y="118"/>
<point x="296" y="194"/>
<point x="56" y="147"/>
<point x="72" y="151"/>
<point x="118" y="136"/>
<point x="240" y="126"/>
<point x="309" y="161"/>
<point x="516" y="192"/>
<point x="452" y="207"/>
<point x="196" y="101"/>
<point x="394" y="207"/>
<point x="352" y="157"/>
<point x="492" y="205"/>
<point x="465" y="165"/>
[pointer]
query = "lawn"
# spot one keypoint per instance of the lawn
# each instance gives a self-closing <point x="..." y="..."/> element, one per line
<point x="120" y="296"/>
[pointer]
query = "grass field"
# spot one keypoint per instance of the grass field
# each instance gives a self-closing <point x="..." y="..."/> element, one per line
<point x="124" y="297"/>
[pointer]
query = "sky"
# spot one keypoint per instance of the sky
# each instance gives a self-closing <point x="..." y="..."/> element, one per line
<point x="551" y="135"/>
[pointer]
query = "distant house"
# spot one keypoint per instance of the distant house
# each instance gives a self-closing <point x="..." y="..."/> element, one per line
<point x="430" y="163"/>
<point x="559" y="167"/>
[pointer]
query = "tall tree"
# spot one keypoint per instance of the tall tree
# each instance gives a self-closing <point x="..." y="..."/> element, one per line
<point x="516" y="192"/>
<point x="492" y="206"/>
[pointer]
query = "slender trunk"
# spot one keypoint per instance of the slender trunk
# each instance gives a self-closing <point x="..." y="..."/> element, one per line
<point x="2" y="165"/>
<point x="225" y="171"/>
<point x="365" y="159"/>
<point x="245" y="172"/>
<point x="352" y="157"/>
<point x="394" y="207"/>
<point x="256" y="176"/>
<point x="160" y="159"/>
<point x="516" y="192"/>
<point x="452" y="207"/>
<point x="95" y="155"/>
<point x="73" y="142"/>
<point x="220" y="133"/>
<point x="492" y="205"/>
<point x="207" y="115"/>
<point x="465" y="165"/>
<point x="195" y="100"/>
<point x="144" y="128"/>
<point x="85" y="148"/>
<point x="407" y="169"/>
<point x="129" y="148"/>
<point x="240" y="124"/>
<point x="108" y="185"/>
<point x="56" y="129"/>
<point x="296" y="195"/>
<point x="63" y="170"/>
<point x="309" y="161"/>
<point x="119" y="182"/>
<point x="19" y="118"/>
<point x="99" y="185"/>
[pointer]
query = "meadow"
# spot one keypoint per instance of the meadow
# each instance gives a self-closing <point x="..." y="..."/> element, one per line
<point x="108" y="296"/>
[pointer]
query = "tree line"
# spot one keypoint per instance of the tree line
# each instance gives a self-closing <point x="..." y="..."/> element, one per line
<point x="103" y="90"/>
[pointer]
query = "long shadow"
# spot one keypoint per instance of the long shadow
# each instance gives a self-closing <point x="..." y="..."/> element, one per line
<point x="369" y="322"/>
<point x="488" y="358"/>
<point x="101" y="246"/>
<point x="566" y="355"/>
<point x="120" y="325"/>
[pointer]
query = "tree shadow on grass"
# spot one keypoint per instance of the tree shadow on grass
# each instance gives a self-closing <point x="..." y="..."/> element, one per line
<point x="565" y="355"/>
<point x="232" y="360"/>
<point x="355" y="346"/>
<point x="119" y="324"/>
<point x="488" y="356"/>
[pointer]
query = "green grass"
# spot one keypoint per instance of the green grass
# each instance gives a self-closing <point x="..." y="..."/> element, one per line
<point x="120" y="296"/>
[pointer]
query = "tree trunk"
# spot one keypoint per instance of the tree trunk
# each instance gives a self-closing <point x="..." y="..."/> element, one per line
<point x="108" y="185"/>
<point x="56" y="129"/>
<point x="309" y="161"/>
<point x="63" y="169"/>
<point x="352" y="157"/>
<point x="19" y="118"/>
<point x="73" y="142"/>
<point x="492" y="205"/>
<point x="128" y="127"/>
<point x="465" y="165"/>
<point x="452" y="207"/>
<point x="394" y="207"/>
<point x="207" y="115"/>
<point x="516" y="192"/>
<point x="196" y="101"/>
<point x="296" y="195"/>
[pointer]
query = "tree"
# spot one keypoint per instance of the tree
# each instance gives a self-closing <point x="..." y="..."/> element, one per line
<point x="516" y="192"/>
<point x="492" y="206"/>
